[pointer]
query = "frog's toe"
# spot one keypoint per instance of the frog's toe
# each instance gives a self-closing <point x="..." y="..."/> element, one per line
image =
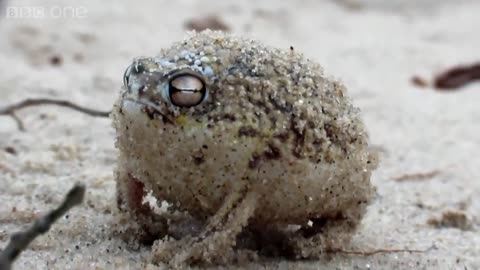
<point x="215" y="243"/>
<point x="322" y="235"/>
<point x="130" y="194"/>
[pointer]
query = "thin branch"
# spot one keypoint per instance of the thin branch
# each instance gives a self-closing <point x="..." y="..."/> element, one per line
<point x="46" y="101"/>
<point x="457" y="76"/>
<point x="20" y="124"/>
<point x="20" y="240"/>
<point x="417" y="176"/>
<point x="376" y="251"/>
<point x="11" y="109"/>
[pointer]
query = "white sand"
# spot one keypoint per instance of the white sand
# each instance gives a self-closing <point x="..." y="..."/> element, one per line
<point x="375" y="50"/>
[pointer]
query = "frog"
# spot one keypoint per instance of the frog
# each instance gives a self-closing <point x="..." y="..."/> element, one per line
<point x="250" y="140"/>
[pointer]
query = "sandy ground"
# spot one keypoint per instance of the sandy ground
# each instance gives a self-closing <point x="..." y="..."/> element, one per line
<point x="375" y="46"/>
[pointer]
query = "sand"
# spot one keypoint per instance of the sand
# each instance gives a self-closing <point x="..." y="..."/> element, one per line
<point x="374" y="46"/>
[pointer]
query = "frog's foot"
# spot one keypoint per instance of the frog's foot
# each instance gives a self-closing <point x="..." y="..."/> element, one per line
<point x="321" y="235"/>
<point x="130" y="193"/>
<point x="215" y="243"/>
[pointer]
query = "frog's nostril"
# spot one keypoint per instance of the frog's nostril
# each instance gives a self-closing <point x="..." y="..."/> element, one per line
<point x="186" y="90"/>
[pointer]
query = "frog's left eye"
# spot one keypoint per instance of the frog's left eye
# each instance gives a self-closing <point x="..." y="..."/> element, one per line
<point x="186" y="89"/>
<point x="134" y="68"/>
<point x="126" y="76"/>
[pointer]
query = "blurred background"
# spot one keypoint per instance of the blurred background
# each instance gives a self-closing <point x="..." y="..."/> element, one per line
<point x="411" y="66"/>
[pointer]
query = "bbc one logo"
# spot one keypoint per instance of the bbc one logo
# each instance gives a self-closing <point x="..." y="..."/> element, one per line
<point x="52" y="12"/>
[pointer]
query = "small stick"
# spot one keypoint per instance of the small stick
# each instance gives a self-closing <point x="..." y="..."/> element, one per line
<point x="46" y="101"/>
<point x="20" y="240"/>
<point x="376" y="251"/>
<point x="417" y="176"/>
<point x="457" y="76"/>
<point x="11" y="109"/>
<point x="19" y="121"/>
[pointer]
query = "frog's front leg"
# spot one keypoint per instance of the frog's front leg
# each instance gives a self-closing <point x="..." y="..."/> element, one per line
<point x="130" y="195"/>
<point x="215" y="243"/>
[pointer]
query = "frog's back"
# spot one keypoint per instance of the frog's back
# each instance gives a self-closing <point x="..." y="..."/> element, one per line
<point x="279" y="90"/>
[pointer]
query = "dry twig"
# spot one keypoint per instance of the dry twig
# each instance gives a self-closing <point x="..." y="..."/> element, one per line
<point x="417" y="176"/>
<point x="376" y="251"/>
<point x="20" y="240"/>
<point x="419" y="81"/>
<point x="12" y="109"/>
<point x="457" y="76"/>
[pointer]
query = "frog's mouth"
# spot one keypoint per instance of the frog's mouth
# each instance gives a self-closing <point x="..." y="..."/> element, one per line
<point x="151" y="109"/>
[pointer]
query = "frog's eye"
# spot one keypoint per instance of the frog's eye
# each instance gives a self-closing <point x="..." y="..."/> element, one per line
<point x="134" y="68"/>
<point x="126" y="75"/>
<point x="186" y="89"/>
